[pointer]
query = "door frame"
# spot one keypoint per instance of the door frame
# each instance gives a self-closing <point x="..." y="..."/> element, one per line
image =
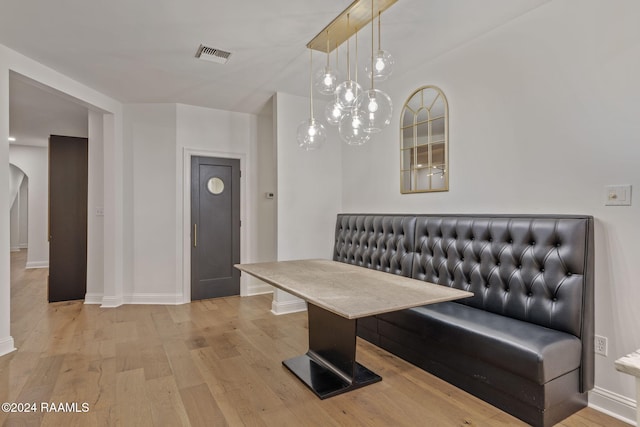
<point x="183" y="269"/>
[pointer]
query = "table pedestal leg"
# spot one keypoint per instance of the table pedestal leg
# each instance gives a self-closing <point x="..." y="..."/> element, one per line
<point x="329" y="367"/>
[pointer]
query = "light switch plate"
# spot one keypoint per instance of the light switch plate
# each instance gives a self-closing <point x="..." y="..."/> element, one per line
<point x="617" y="195"/>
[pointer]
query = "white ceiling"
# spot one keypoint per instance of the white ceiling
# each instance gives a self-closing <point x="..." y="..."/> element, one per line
<point x="141" y="51"/>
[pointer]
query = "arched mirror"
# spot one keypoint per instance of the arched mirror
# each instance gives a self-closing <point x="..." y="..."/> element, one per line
<point x="424" y="142"/>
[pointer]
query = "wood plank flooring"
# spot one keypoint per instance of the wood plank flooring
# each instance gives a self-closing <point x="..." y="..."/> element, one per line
<point x="208" y="363"/>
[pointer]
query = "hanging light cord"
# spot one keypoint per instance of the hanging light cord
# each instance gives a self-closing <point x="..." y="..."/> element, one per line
<point x="372" y="69"/>
<point x="348" y="45"/>
<point x="311" y="82"/>
<point x="356" y="61"/>
<point x="379" y="37"/>
<point x="327" y="48"/>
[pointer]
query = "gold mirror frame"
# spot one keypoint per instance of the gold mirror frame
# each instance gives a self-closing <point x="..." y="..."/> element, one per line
<point x="424" y="142"/>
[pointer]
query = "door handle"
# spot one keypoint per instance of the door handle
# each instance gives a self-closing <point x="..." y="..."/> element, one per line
<point x="195" y="235"/>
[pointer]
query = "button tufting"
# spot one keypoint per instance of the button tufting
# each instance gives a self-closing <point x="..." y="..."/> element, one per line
<point x="506" y="290"/>
<point x="520" y="267"/>
<point x="555" y="299"/>
<point x="569" y="273"/>
<point x="542" y="270"/>
<point x="530" y="294"/>
<point x="533" y="243"/>
<point x="498" y="264"/>
<point x="472" y="238"/>
<point x="510" y="240"/>
<point x="558" y="245"/>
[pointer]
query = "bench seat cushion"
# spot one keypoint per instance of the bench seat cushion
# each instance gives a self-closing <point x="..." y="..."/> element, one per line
<point x="531" y="351"/>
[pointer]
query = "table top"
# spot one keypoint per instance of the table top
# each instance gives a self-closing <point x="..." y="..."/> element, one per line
<point x="629" y="364"/>
<point x="348" y="290"/>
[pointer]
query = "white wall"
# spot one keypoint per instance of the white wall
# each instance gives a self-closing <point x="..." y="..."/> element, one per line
<point x="6" y="340"/>
<point x="543" y="115"/>
<point x="267" y="217"/>
<point x="15" y="180"/>
<point x="23" y="218"/>
<point x="19" y="219"/>
<point x="34" y="162"/>
<point x="18" y="194"/>
<point x="95" y="210"/>
<point x="150" y="138"/>
<point x="309" y="192"/>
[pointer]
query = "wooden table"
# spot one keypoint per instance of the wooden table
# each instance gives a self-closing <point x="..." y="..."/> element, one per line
<point x="337" y="294"/>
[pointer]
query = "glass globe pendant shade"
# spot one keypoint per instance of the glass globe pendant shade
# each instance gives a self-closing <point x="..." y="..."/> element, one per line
<point x="326" y="81"/>
<point x="382" y="65"/>
<point x="350" y="128"/>
<point x="376" y="110"/>
<point x="333" y="112"/>
<point x="346" y="93"/>
<point x="311" y="134"/>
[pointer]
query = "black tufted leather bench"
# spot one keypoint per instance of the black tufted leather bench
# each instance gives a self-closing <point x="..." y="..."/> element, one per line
<point x="524" y="341"/>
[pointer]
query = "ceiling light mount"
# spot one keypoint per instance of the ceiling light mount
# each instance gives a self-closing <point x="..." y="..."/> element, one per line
<point x="359" y="13"/>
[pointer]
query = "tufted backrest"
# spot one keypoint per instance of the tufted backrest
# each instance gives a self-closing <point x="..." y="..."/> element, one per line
<point x="534" y="269"/>
<point x="379" y="242"/>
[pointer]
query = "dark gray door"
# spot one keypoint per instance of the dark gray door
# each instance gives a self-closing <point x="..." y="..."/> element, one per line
<point x="68" y="172"/>
<point x="215" y="227"/>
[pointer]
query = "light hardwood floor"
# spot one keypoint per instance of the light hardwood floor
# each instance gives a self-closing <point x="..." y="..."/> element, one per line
<point x="208" y="363"/>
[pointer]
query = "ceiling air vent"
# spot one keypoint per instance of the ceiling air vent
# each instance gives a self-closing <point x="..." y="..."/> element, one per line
<point x="213" y="55"/>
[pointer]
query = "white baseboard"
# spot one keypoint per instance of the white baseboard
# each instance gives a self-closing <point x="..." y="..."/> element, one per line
<point x="15" y="249"/>
<point x="37" y="264"/>
<point x="6" y="346"/>
<point x="93" y="298"/>
<point x="613" y="404"/>
<point x="287" y="307"/>
<point x="157" y="299"/>
<point x="111" y="302"/>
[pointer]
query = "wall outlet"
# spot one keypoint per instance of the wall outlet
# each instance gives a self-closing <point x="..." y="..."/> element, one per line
<point x="601" y="345"/>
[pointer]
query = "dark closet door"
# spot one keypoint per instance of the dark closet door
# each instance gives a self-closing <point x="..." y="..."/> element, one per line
<point x="68" y="173"/>
<point x="215" y="227"/>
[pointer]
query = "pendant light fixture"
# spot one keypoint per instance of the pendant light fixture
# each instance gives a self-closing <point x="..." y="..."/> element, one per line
<point x="347" y="91"/>
<point x="375" y="104"/>
<point x="351" y="127"/>
<point x="333" y="111"/>
<point x="311" y="133"/>
<point x="326" y="79"/>
<point x="358" y="113"/>
<point x="382" y="61"/>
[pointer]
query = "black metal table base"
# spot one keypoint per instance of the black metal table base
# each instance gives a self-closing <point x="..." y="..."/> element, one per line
<point x="329" y="367"/>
